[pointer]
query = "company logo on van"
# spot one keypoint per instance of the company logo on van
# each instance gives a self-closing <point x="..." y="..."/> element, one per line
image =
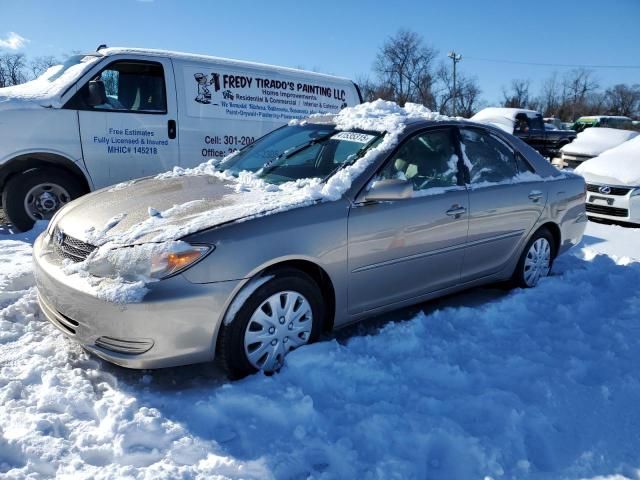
<point x="203" y="83"/>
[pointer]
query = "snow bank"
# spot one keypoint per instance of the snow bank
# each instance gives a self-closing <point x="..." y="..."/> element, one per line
<point x="45" y="90"/>
<point x="595" y="140"/>
<point x="527" y="384"/>
<point x="619" y="165"/>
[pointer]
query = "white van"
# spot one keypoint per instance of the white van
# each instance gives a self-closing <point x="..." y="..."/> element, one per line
<point x="123" y="113"/>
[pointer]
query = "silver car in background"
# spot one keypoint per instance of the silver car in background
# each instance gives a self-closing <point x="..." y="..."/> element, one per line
<point x="452" y="206"/>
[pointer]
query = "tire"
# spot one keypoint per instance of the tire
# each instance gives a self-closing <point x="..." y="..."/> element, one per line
<point x="57" y="187"/>
<point x="239" y="356"/>
<point x="525" y="275"/>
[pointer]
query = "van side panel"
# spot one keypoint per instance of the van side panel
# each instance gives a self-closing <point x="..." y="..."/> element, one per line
<point x="222" y="107"/>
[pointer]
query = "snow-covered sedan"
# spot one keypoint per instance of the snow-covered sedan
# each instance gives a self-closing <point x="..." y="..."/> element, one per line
<point x="314" y="226"/>
<point x="613" y="183"/>
<point x="592" y="142"/>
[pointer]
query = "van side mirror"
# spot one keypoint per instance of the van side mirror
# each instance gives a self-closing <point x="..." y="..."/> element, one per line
<point x="388" y="190"/>
<point x="96" y="93"/>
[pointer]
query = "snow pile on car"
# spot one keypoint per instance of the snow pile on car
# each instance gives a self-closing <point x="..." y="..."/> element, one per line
<point x="595" y="140"/>
<point x="617" y="166"/>
<point x="45" y="90"/>
<point x="502" y="118"/>
<point x="252" y="197"/>
<point x="527" y="384"/>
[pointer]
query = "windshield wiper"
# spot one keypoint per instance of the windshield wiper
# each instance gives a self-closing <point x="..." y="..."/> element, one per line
<point x="292" y="151"/>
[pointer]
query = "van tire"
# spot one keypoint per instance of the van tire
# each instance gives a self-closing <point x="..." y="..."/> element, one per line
<point x="61" y="187"/>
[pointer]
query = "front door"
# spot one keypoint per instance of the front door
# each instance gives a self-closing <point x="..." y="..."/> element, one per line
<point x="127" y="116"/>
<point x="402" y="249"/>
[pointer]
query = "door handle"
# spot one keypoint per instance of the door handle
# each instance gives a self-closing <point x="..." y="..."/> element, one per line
<point x="535" y="195"/>
<point x="456" y="211"/>
<point x="171" y="129"/>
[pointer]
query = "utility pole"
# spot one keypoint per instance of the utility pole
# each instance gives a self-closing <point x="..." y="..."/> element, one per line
<point x="456" y="58"/>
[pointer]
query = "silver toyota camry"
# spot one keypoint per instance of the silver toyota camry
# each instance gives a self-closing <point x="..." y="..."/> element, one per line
<point x="333" y="225"/>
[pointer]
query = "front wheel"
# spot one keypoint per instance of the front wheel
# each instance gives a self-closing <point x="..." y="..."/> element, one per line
<point x="536" y="260"/>
<point x="37" y="194"/>
<point x="284" y="313"/>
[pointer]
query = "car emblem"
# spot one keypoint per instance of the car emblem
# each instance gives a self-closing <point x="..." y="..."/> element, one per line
<point x="58" y="237"/>
<point x="606" y="190"/>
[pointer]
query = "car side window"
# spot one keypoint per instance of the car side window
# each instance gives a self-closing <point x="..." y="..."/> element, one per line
<point x="125" y="86"/>
<point x="427" y="160"/>
<point x="535" y="122"/>
<point x="487" y="158"/>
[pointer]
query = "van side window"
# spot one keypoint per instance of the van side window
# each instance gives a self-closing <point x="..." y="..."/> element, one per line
<point x="124" y="86"/>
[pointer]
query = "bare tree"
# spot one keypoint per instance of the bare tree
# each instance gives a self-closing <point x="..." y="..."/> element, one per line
<point x="518" y="95"/>
<point x="468" y="93"/>
<point x="404" y="67"/>
<point x="577" y="86"/>
<point x="549" y="99"/>
<point x="39" y="65"/>
<point x="623" y="99"/>
<point x="12" y="67"/>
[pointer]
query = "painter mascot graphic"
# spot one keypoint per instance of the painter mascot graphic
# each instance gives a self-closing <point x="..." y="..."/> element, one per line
<point x="204" y="94"/>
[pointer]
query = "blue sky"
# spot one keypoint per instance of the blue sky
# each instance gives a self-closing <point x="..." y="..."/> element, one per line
<point x="342" y="37"/>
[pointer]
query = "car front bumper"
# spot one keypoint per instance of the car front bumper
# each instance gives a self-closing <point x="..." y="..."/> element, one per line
<point x="619" y="208"/>
<point x="176" y="323"/>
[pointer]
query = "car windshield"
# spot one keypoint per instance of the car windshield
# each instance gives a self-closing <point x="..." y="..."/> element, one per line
<point x="301" y="151"/>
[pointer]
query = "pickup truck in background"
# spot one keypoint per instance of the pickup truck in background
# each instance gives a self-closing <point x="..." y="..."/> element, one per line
<point x="528" y="125"/>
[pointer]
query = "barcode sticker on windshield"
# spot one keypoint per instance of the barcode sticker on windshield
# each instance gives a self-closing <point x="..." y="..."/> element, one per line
<point x="353" y="137"/>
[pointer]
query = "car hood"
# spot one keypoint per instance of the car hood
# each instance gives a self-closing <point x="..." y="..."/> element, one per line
<point x="157" y="209"/>
<point x="593" y="141"/>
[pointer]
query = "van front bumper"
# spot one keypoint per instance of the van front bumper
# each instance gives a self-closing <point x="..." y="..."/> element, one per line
<point x="175" y="324"/>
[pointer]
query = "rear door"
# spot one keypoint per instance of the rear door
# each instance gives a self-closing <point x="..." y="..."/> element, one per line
<point x="127" y="115"/>
<point x="405" y="248"/>
<point x="505" y="197"/>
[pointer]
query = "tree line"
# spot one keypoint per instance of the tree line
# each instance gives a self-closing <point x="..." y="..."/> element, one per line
<point x="406" y="69"/>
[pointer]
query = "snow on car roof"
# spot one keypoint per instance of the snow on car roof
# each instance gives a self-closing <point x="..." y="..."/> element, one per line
<point x="503" y="118"/>
<point x="618" y="166"/>
<point x="595" y="140"/>
<point x="194" y="57"/>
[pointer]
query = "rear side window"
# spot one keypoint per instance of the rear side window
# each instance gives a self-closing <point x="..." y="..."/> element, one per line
<point x="487" y="158"/>
<point x="124" y="86"/>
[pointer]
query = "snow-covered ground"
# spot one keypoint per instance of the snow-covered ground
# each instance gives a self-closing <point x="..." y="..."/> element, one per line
<point x="488" y="384"/>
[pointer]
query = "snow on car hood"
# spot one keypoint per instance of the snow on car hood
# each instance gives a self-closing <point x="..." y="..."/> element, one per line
<point x="595" y="140"/>
<point x="617" y="166"/>
<point x="164" y="209"/>
<point x="44" y="91"/>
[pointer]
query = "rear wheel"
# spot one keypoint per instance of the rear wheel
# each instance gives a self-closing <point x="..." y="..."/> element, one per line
<point x="284" y="313"/>
<point x="536" y="260"/>
<point x="37" y="194"/>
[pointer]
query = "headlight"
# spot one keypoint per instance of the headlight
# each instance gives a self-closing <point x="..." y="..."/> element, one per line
<point x="635" y="192"/>
<point x="166" y="264"/>
<point x="143" y="262"/>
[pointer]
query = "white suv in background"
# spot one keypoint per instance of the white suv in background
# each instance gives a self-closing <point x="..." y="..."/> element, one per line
<point x="613" y="183"/>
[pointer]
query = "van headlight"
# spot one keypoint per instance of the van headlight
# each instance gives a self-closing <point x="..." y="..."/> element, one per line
<point x="635" y="192"/>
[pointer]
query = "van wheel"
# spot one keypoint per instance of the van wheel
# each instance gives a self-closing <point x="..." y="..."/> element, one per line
<point x="284" y="313"/>
<point x="37" y="194"/>
<point x="536" y="260"/>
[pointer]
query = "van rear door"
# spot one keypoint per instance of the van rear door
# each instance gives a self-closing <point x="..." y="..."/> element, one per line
<point x="127" y="113"/>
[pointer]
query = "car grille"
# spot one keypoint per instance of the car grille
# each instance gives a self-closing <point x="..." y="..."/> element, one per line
<point x="617" y="191"/>
<point x="69" y="247"/>
<point x="604" y="210"/>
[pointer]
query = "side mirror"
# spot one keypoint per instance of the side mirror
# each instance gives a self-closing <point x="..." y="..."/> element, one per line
<point x="388" y="190"/>
<point x="96" y="94"/>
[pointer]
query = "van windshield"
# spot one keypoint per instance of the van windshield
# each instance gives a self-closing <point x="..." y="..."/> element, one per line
<point x="301" y="151"/>
<point x="72" y="61"/>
